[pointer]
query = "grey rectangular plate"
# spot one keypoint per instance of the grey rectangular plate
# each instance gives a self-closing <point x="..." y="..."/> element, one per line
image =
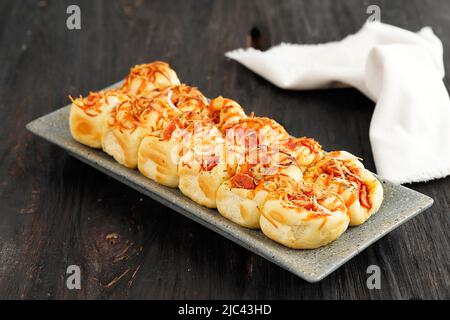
<point x="400" y="204"/>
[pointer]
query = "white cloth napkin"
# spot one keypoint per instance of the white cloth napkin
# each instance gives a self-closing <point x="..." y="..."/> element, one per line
<point x="400" y="70"/>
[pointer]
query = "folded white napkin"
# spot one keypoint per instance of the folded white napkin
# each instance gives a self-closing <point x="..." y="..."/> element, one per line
<point x="400" y="70"/>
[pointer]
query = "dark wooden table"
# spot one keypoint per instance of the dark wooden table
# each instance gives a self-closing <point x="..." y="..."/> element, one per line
<point x="56" y="211"/>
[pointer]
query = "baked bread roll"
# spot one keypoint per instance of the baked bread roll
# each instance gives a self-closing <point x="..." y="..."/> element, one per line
<point x="240" y="198"/>
<point x="159" y="155"/>
<point x="306" y="151"/>
<point x="252" y="140"/>
<point x="143" y="79"/>
<point x="128" y="124"/>
<point x="268" y="131"/>
<point x="87" y="115"/>
<point x="343" y="173"/>
<point x="202" y="168"/>
<point x="185" y="98"/>
<point x="305" y="217"/>
<point x="225" y="112"/>
<point x="253" y="153"/>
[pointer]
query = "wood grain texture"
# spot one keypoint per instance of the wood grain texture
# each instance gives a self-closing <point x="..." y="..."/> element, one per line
<point x="56" y="211"/>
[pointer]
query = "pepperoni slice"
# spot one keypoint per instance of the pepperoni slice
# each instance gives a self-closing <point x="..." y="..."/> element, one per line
<point x="242" y="181"/>
<point x="169" y="130"/>
<point x="210" y="162"/>
<point x="364" y="197"/>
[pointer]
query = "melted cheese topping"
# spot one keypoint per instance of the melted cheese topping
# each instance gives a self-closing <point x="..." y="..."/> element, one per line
<point x="157" y="73"/>
<point x="93" y="103"/>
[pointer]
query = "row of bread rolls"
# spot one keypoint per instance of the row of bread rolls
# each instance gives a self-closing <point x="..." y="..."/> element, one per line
<point x="247" y="167"/>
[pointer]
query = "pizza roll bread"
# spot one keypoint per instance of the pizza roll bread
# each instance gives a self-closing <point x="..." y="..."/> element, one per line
<point x="143" y="79"/>
<point x="179" y="98"/>
<point x="253" y="149"/>
<point x="268" y="130"/>
<point x="202" y="167"/>
<point x="306" y="151"/>
<point x="185" y="98"/>
<point x="159" y="155"/>
<point x="128" y="124"/>
<point x="87" y="115"/>
<point x="240" y="198"/>
<point x="225" y="112"/>
<point x="304" y="217"/>
<point x="252" y="139"/>
<point x="343" y="173"/>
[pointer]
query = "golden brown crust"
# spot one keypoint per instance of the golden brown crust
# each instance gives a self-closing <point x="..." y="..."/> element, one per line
<point x="127" y="126"/>
<point x="304" y="217"/>
<point x="88" y="114"/>
<point x="225" y="112"/>
<point x="305" y="150"/>
<point x="269" y="129"/>
<point x="343" y="173"/>
<point x="242" y="204"/>
<point x="145" y="78"/>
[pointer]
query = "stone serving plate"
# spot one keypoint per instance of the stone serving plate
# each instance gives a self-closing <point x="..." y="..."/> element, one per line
<point x="400" y="204"/>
